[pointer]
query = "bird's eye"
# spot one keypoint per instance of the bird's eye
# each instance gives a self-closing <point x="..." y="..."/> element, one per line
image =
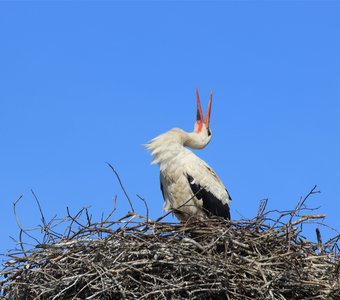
<point x="209" y="132"/>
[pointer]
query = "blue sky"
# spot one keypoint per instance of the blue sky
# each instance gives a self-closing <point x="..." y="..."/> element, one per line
<point x="82" y="83"/>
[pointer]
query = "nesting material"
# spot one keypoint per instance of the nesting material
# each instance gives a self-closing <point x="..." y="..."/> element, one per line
<point x="136" y="258"/>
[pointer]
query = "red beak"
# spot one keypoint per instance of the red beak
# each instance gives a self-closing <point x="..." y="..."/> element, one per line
<point x="200" y="118"/>
<point x="207" y="117"/>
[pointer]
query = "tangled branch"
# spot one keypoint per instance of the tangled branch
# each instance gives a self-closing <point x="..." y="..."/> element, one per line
<point x="133" y="257"/>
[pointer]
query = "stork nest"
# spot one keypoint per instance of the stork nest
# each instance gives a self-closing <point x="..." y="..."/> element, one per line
<point x="137" y="258"/>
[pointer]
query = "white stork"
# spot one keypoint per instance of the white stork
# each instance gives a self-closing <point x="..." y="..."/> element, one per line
<point x="189" y="186"/>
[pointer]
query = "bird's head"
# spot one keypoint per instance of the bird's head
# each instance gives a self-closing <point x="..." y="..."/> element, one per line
<point x="202" y="132"/>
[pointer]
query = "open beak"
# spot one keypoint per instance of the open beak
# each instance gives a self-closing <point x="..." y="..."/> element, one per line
<point x="200" y="118"/>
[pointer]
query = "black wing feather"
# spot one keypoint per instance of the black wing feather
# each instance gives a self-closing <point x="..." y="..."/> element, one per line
<point x="162" y="189"/>
<point x="211" y="204"/>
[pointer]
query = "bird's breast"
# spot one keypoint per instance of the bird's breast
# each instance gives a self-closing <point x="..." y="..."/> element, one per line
<point x="177" y="191"/>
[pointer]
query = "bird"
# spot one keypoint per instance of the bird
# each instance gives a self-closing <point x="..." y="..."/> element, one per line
<point x="189" y="186"/>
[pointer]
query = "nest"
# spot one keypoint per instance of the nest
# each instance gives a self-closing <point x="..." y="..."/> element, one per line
<point x="138" y="258"/>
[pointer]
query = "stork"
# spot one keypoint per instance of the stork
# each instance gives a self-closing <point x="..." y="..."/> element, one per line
<point x="189" y="185"/>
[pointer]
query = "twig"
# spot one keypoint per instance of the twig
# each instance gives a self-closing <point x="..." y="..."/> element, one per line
<point x="122" y="187"/>
<point x="146" y="207"/>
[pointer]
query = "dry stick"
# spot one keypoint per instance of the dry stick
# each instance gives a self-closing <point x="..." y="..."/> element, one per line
<point x="298" y="208"/>
<point x="50" y="232"/>
<point x="72" y="221"/>
<point x="40" y="210"/>
<point x="262" y="207"/>
<point x="333" y="244"/>
<point x="22" y="230"/>
<point x="75" y="218"/>
<point x="122" y="187"/>
<point x="146" y="207"/>
<point x="112" y="211"/>
<point x="307" y="217"/>
<point x="88" y="217"/>
<point x="15" y="213"/>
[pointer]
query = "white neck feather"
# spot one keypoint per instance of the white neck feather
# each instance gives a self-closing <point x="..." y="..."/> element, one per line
<point x="170" y="144"/>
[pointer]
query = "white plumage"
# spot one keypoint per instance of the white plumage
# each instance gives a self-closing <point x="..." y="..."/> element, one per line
<point x="189" y="185"/>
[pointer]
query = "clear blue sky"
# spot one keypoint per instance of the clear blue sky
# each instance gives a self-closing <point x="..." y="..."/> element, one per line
<point x="82" y="83"/>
